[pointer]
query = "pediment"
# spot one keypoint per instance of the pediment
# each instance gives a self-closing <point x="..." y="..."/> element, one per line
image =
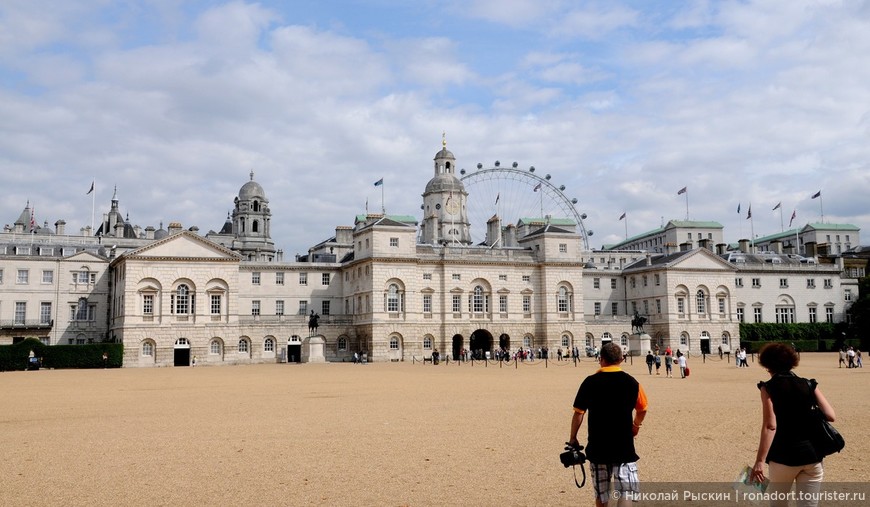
<point x="702" y="259"/>
<point x="85" y="256"/>
<point x="184" y="245"/>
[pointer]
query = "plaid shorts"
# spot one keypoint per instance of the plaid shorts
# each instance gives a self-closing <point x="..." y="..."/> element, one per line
<point x="625" y="479"/>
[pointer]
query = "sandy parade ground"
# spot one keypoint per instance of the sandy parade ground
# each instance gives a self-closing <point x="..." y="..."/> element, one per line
<point x="375" y="434"/>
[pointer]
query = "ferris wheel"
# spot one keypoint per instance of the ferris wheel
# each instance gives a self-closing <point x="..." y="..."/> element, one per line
<point x="513" y="194"/>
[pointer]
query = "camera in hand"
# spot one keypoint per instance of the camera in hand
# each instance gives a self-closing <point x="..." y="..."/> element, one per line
<point x="573" y="455"/>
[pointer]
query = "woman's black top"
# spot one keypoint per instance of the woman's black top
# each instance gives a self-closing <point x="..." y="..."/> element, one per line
<point x="793" y="398"/>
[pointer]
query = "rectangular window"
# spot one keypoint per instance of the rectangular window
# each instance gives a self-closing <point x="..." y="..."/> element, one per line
<point x="324" y="308"/>
<point x="394" y="242"/>
<point x="215" y="304"/>
<point x="279" y="307"/>
<point x="563" y="248"/>
<point x="255" y="278"/>
<point x="23" y="276"/>
<point x="847" y="295"/>
<point x="614" y="308"/>
<point x="829" y="315"/>
<point x="811" y="283"/>
<point x="632" y="282"/>
<point x="722" y="306"/>
<point x="813" y="316"/>
<point x="597" y="307"/>
<point x="255" y="307"/>
<point x="645" y="307"/>
<point x="757" y="314"/>
<point x="527" y="278"/>
<point x="783" y="283"/>
<point x="279" y="278"/>
<point x="456" y="307"/>
<point x="303" y="307"/>
<point x="456" y="277"/>
<point x="1" y="276"/>
<point x="785" y="315"/>
<point x="324" y="279"/>
<point x="613" y="283"/>
<point x="658" y="306"/>
<point x="828" y="283"/>
<point x="596" y="283"/>
<point x="303" y="278"/>
<point x="681" y="306"/>
<point x="756" y="283"/>
<point x="47" y="276"/>
<point x="427" y="276"/>
<point x="20" y="312"/>
<point x="740" y="315"/>
<point x="44" y="313"/>
<point x="503" y="303"/>
<point x="634" y="307"/>
<point x="644" y="280"/>
<point x="738" y="282"/>
<point x="658" y="279"/>
<point x="147" y="304"/>
<point x="502" y="278"/>
<point x="527" y="304"/>
<point x="427" y="303"/>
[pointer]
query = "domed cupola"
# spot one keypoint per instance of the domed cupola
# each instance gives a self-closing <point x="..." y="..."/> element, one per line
<point x="251" y="223"/>
<point x="445" y="217"/>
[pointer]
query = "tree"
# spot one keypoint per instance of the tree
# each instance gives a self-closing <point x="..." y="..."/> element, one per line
<point x="860" y="312"/>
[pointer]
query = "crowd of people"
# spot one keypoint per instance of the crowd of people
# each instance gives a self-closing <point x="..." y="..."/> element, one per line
<point x="851" y="357"/>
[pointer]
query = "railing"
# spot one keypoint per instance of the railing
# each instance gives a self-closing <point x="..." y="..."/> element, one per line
<point x="26" y="324"/>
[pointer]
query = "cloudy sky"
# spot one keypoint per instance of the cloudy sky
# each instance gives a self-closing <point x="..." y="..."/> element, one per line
<point x="623" y="103"/>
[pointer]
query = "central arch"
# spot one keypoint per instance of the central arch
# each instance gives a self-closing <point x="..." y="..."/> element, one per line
<point x="457" y="346"/>
<point x="480" y="343"/>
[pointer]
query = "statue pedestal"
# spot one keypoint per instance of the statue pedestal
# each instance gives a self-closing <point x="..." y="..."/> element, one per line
<point x="314" y="350"/>
<point x="639" y="344"/>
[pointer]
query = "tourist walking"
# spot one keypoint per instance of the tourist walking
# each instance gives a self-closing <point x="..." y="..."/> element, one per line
<point x="787" y="419"/>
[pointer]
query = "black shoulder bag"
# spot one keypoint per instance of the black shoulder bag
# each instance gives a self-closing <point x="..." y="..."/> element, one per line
<point x="825" y="438"/>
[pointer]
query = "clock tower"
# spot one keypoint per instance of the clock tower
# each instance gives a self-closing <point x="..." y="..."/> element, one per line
<point x="445" y="215"/>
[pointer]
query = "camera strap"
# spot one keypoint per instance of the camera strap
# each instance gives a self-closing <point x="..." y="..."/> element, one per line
<point x="583" y="470"/>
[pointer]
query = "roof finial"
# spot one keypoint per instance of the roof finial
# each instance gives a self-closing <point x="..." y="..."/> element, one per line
<point x="252" y="175"/>
<point x="443" y="139"/>
<point x="115" y="194"/>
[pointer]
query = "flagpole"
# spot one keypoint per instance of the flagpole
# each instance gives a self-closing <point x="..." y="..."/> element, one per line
<point x="687" y="204"/>
<point x="821" y="208"/>
<point x="93" y="202"/>
<point x="383" y="208"/>
<point x="781" y="223"/>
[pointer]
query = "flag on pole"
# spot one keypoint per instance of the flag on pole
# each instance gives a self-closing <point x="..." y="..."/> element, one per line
<point x="622" y="216"/>
<point x="777" y="206"/>
<point x="738" y="208"/>
<point x="379" y="182"/>
<point x="682" y="191"/>
<point x="817" y="194"/>
<point x="92" y="188"/>
<point x="537" y="187"/>
<point x="749" y="212"/>
<point x="793" y="215"/>
<point x="497" y="196"/>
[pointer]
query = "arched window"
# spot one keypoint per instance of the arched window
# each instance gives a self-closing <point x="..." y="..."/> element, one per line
<point x="342" y="343"/>
<point x="394" y="343"/>
<point x="393" y="298"/>
<point x="255" y="226"/>
<point x="147" y="349"/>
<point x="243" y="346"/>
<point x="724" y="338"/>
<point x="566" y="340"/>
<point x="702" y="302"/>
<point x="182" y="299"/>
<point x="269" y="345"/>
<point x="82" y="309"/>
<point x="427" y="343"/>
<point x="215" y="347"/>
<point x="563" y="301"/>
<point x="256" y="207"/>
<point x="624" y="341"/>
<point x="478" y="299"/>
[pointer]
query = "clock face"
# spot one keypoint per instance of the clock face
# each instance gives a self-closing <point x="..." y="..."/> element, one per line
<point x="452" y="207"/>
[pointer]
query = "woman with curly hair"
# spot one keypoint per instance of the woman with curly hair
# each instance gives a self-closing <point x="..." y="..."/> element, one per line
<point x="787" y="418"/>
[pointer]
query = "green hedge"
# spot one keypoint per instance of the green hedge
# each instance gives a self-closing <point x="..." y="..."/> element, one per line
<point x="806" y="337"/>
<point x="15" y="357"/>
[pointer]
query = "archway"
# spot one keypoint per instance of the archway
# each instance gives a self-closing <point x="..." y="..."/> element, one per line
<point x="504" y="342"/>
<point x="457" y="347"/>
<point x="181" y="356"/>
<point x="481" y="343"/>
<point x="294" y="349"/>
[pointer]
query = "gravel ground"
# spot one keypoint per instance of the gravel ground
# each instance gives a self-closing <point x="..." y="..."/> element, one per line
<point x="377" y="434"/>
